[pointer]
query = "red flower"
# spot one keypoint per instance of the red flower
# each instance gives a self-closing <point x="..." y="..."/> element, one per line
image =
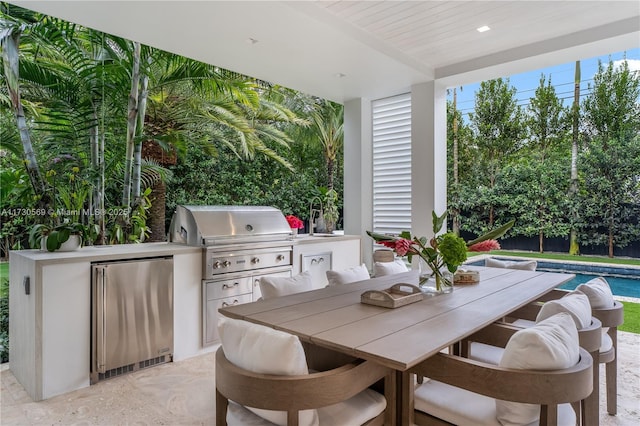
<point x="390" y="244"/>
<point x="486" y="245"/>
<point x="294" y="222"/>
<point x="402" y="246"/>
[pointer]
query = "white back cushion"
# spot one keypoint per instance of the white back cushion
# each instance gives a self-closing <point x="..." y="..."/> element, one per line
<point x="525" y="265"/>
<point x="264" y="350"/>
<point x="551" y="344"/>
<point x="389" y="268"/>
<point x="271" y="287"/>
<point x="575" y="303"/>
<point x="598" y="292"/>
<point x="347" y="276"/>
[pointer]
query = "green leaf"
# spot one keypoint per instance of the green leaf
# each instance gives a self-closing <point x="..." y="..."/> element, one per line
<point x="438" y="221"/>
<point x="380" y="237"/>
<point x="492" y="235"/>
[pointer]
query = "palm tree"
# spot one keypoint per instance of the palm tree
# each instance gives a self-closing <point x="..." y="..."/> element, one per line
<point x="329" y="128"/>
<point x="10" y="32"/>
<point x="574" y="247"/>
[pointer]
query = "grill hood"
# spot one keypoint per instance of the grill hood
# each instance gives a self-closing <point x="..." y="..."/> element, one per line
<point x="215" y="225"/>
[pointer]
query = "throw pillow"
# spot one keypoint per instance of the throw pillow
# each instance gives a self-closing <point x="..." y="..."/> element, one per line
<point x="264" y="350"/>
<point x="551" y="344"/>
<point x="389" y="268"/>
<point x="598" y="292"/>
<point x="351" y="275"/>
<point x="271" y="287"/>
<point x="575" y="304"/>
<point x="525" y="265"/>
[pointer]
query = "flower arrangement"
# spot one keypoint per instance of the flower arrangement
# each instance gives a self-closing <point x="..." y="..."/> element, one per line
<point x="442" y="251"/>
<point x="294" y="222"/>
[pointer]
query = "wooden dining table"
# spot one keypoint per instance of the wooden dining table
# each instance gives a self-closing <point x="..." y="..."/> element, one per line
<point x="400" y="338"/>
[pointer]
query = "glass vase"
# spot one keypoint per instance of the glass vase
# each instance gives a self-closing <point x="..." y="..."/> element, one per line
<point x="435" y="281"/>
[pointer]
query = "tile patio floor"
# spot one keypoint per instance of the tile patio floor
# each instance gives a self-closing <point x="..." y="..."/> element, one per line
<point x="182" y="393"/>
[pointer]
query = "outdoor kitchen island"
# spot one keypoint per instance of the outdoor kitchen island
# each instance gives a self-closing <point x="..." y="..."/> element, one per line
<point x="50" y="306"/>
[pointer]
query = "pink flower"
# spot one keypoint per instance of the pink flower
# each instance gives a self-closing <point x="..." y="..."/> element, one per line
<point x="294" y="222"/>
<point x="486" y="245"/>
<point x="402" y="246"/>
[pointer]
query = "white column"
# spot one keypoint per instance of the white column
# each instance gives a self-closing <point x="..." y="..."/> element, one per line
<point x="358" y="197"/>
<point x="428" y="155"/>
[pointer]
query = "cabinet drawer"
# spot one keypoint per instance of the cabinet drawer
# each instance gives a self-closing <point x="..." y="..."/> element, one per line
<point x="227" y="288"/>
<point x="210" y="332"/>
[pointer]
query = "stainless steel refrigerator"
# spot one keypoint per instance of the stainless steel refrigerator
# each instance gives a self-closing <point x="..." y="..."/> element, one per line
<point x="132" y="315"/>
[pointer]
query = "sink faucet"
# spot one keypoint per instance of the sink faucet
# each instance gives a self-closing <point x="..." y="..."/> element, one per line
<point x="312" y="214"/>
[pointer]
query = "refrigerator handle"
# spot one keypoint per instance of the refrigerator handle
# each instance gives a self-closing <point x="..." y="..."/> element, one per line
<point x="101" y="300"/>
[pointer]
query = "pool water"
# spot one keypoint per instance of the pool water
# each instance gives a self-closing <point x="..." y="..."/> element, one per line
<point x="628" y="287"/>
<point x="623" y="280"/>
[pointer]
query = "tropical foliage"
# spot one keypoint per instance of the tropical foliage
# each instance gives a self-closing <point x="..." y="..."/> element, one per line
<point x="517" y="163"/>
<point x="82" y="112"/>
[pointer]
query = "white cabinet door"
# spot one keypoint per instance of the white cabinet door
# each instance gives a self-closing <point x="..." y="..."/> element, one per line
<point x="318" y="255"/>
<point x="317" y="265"/>
<point x="210" y="334"/>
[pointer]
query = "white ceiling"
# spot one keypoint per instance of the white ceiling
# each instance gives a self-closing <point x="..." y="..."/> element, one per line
<point x="343" y="50"/>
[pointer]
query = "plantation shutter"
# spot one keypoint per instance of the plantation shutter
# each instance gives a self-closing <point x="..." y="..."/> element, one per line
<point x="392" y="164"/>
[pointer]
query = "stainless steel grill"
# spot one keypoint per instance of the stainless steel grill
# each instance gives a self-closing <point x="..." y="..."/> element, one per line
<point x="240" y="244"/>
<point x="221" y="225"/>
<point x="234" y="238"/>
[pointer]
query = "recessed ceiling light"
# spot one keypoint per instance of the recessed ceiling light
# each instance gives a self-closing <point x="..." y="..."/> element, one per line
<point x="483" y="29"/>
<point x="251" y="40"/>
<point x="340" y="75"/>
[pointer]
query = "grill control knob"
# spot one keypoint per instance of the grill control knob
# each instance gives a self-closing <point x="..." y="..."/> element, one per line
<point x="255" y="260"/>
<point x="226" y="263"/>
<point x="280" y="258"/>
<point x="216" y="265"/>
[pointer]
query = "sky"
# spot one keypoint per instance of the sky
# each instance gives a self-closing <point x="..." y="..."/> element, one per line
<point x="561" y="77"/>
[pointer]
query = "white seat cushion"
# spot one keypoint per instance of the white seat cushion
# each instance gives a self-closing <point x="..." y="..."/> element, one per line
<point x="351" y="275"/>
<point x="271" y="287"/>
<point x="485" y="353"/>
<point x="607" y="343"/>
<point x="523" y="323"/>
<point x="264" y="350"/>
<point x="598" y="292"/>
<point x="355" y="411"/>
<point x="551" y="344"/>
<point x="389" y="268"/>
<point x="464" y="408"/>
<point x="574" y="303"/>
<point x="525" y="265"/>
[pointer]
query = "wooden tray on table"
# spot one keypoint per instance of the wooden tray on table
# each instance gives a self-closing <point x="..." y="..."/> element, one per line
<point x="393" y="297"/>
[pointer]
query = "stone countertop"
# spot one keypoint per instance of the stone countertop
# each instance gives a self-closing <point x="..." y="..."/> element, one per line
<point x="319" y="238"/>
<point x="132" y="251"/>
<point x="106" y="252"/>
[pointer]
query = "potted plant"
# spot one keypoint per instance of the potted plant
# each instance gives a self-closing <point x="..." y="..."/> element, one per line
<point x="66" y="236"/>
<point x="330" y="213"/>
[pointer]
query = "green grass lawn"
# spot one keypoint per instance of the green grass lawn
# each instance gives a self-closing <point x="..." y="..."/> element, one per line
<point x="631" y="318"/>
<point x="562" y="256"/>
<point x="631" y="310"/>
<point x="4" y="270"/>
<point x="4" y="276"/>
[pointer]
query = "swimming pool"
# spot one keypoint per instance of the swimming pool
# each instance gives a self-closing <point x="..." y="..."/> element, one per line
<point x="628" y="287"/>
<point x="624" y="281"/>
